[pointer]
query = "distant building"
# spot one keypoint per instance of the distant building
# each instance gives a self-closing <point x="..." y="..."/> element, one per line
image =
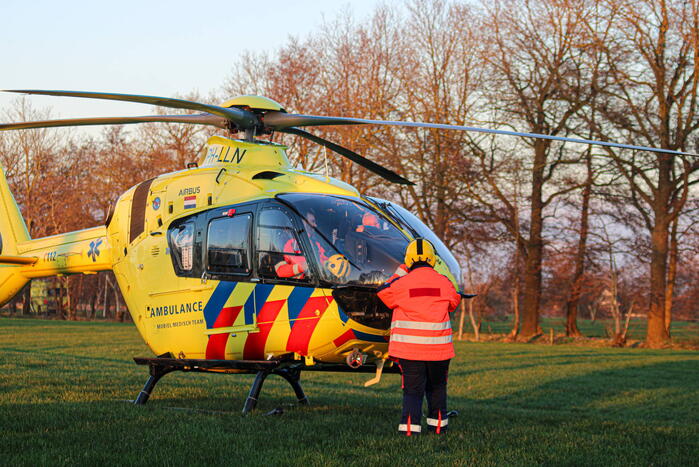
<point x="48" y="297"/>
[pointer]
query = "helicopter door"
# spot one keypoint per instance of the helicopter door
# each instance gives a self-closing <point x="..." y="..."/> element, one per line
<point x="284" y="268"/>
<point x="227" y="258"/>
<point x="280" y="254"/>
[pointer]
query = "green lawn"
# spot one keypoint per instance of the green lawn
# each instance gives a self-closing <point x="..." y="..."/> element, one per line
<point x="683" y="332"/>
<point x="63" y="387"/>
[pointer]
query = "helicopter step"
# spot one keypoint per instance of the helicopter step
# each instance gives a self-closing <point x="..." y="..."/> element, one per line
<point x="289" y="370"/>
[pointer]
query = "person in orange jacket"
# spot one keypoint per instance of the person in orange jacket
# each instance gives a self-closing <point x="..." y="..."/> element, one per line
<point x="368" y="220"/>
<point x="293" y="265"/>
<point x="421" y="336"/>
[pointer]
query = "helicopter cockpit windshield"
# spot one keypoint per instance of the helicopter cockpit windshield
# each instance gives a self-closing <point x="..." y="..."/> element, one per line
<point x="417" y="228"/>
<point x="353" y="243"/>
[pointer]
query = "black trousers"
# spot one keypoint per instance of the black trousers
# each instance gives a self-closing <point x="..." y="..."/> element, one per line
<point x="422" y="379"/>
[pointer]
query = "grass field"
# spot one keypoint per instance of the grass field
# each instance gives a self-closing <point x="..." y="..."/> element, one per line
<point x="684" y="333"/>
<point x="63" y="387"/>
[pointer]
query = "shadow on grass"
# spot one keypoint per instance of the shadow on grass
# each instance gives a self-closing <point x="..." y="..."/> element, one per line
<point x="50" y="354"/>
<point x="664" y="392"/>
<point x="613" y="416"/>
<point x="337" y="429"/>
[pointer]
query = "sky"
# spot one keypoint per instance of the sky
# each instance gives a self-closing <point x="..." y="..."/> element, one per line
<point x="160" y="48"/>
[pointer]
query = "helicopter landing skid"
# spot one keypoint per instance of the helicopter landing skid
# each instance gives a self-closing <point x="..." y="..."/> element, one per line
<point x="164" y="364"/>
<point x="290" y="370"/>
<point x="292" y="375"/>
<point x="156" y="372"/>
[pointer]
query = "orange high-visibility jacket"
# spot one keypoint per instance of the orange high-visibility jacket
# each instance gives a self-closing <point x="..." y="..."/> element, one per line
<point x="421" y="302"/>
<point x="293" y="265"/>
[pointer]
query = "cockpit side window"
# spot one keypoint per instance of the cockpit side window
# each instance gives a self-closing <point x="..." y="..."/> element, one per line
<point x="280" y="254"/>
<point x="227" y="245"/>
<point x="183" y="250"/>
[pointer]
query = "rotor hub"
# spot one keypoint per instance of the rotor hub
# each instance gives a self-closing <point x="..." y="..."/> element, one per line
<point x="253" y="103"/>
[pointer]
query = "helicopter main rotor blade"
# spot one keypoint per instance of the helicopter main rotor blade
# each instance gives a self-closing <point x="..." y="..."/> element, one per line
<point x="278" y="121"/>
<point x="198" y="119"/>
<point x="242" y="119"/>
<point x="388" y="174"/>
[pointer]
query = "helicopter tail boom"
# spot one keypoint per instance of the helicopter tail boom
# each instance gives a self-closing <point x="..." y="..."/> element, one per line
<point x="23" y="258"/>
<point x="83" y="251"/>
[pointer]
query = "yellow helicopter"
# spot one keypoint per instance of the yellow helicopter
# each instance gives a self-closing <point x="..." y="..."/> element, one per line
<point x="241" y="263"/>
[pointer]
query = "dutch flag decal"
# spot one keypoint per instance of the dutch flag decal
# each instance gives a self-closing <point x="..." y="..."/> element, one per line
<point x="190" y="202"/>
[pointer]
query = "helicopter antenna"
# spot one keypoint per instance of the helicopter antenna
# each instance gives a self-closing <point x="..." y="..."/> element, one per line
<point x="249" y="135"/>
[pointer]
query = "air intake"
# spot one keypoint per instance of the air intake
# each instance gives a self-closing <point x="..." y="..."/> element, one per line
<point x="266" y="175"/>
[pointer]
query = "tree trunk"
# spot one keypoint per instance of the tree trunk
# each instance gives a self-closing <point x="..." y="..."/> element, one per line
<point x="475" y="325"/>
<point x="60" y="311"/>
<point x="105" y="301"/>
<point x="614" y="297"/>
<point x="27" y="303"/>
<point x="572" y="315"/>
<point x="119" y="314"/>
<point x="93" y="305"/>
<point x="532" y="294"/>
<point x="13" y="303"/>
<point x="67" y="292"/>
<point x="576" y="284"/>
<point x="656" y="335"/>
<point x="515" y="311"/>
<point x="514" y="332"/>
<point x="671" y="275"/>
<point x="532" y="264"/>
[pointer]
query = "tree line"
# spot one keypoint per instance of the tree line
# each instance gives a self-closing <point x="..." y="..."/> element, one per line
<point x="540" y="227"/>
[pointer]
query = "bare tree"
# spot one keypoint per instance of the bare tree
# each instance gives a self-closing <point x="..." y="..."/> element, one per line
<point x="537" y="81"/>
<point x="652" y="57"/>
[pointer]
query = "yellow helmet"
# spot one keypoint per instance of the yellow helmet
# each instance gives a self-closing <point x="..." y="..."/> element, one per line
<point x="338" y="266"/>
<point x="420" y="250"/>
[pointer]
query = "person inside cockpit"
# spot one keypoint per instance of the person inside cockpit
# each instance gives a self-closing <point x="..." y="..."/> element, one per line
<point x="293" y="264"/>
<point x="369" y="222"/>
<point x="311" y="227"/>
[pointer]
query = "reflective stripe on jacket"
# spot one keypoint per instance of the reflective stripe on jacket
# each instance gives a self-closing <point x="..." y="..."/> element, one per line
<point x="421" y="302"/>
